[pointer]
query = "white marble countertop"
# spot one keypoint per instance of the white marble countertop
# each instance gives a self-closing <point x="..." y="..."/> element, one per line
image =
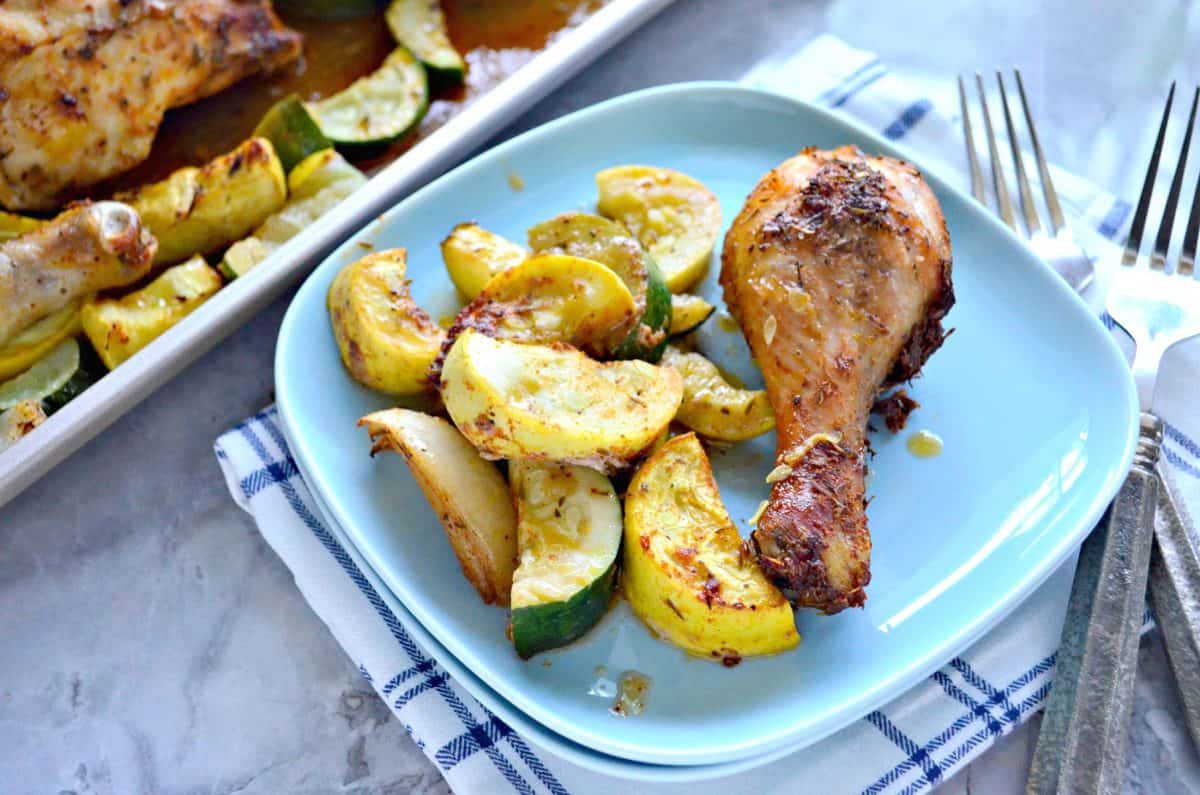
<point x="151" y="643"/>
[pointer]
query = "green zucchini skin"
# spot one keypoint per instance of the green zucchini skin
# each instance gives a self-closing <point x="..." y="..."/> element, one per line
<point x="421" y="27"/>
<point x="402" y="118"/>
<point x="292" y="130"/>
<point x="549" y="626"/>
<point x="605" y="241"/>
<point x="657" y="317"/>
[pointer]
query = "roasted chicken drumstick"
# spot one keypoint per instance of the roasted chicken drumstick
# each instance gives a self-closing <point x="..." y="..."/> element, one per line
<point x="838" y="270"/>
<point x="88" y="248"/>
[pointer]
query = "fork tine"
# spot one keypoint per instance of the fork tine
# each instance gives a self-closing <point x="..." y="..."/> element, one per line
<point x="1027" y="208"/>
<point x="972" y="157"/>
<point x="1002" y="198"/>
<point x="1057" y="220"/>
<point x="1134" y="242"/>
<point x="1159" y="258"/>
<point x="1187" y="255"/>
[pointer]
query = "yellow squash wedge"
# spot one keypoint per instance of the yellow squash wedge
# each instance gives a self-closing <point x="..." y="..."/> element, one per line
<point x="468" y="494"/>
<point x="120" y="327"/>
<point x="674" y="216"/>
<point x="685" y="569"/>
<point x="387" y="342"/>
<point x="316" y="186"/>
<point x="714" y="408"/>
<point x="198" y="210"/>
<point x="474" y="255"/>
<point x="552" y="298"/>
<point x="688" y="313"/>
<point x="513" y="400"/>
<point x="13" y="225"/>
<point x="20" y="352"/>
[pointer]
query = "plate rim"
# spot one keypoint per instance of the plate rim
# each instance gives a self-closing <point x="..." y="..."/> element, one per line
<point x="885" y="689"/>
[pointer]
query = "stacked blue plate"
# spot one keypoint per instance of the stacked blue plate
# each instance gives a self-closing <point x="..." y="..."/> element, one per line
<point x="1037" y="438"/>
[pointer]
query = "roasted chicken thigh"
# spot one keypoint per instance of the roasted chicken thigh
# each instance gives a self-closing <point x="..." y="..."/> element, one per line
<point x="838" y="271"/>
<point x="84" y="85"/>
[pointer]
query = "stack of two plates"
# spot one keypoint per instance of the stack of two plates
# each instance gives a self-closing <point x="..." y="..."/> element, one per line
<point x="1032" y="398"/>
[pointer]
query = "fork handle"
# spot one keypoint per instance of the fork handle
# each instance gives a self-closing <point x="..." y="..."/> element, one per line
<point x="1085" y="731"/>
<point x="1175" y="594"/>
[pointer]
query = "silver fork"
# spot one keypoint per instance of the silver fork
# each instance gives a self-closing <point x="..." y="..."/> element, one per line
<point x="1056" y="247"/>
<point x="1084" y="735"/>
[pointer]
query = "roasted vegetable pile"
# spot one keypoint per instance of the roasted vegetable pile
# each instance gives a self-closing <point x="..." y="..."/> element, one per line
<point x="570" y="360"/>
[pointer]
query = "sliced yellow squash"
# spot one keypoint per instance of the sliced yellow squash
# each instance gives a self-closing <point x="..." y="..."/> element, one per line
<point x="120" y="327"/>
<point x="474" y="255"/>
<point x="674" y="216"/>
<point x="387" y="342"/>
<point x="13" y="225"/>
<point x="513" y="400"/>
<point x="712" y="406"/>
<point x="607" y="242"/>
<point x="322" y="181"/>
<point x="685" y="569"/>
<point x="468" y="494"/>
<point x="20" y="352"/>
<point x="552" y="298"/>
<point x="688" y="313"/>
<point x="198" y="210"/>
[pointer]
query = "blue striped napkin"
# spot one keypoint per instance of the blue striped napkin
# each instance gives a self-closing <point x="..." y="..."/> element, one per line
<point x="909" y="746"/>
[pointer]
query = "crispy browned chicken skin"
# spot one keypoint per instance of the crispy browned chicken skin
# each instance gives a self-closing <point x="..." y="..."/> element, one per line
<point x="84" y="85"/>
<point x="838" y="270"/>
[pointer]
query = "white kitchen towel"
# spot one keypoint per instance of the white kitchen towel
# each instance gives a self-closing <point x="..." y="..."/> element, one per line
<point x="908" y="746"/>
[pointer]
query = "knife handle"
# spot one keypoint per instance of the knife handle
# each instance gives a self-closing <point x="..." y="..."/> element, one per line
<point x="1175" y="594"/>
<point x="1085" y="731"/>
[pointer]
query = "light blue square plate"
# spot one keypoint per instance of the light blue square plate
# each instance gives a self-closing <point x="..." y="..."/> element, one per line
<point x="517" y="720"/>
<point x="1031" y="395"/>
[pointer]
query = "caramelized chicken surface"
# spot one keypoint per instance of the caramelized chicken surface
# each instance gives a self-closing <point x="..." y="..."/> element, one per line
<point x="838" y="270"/>
<point x="89" y="248"/>
<point x="84" y="85"/>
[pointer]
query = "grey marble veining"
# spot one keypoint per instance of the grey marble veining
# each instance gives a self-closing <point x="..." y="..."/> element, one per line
<point x="150" y="642"/>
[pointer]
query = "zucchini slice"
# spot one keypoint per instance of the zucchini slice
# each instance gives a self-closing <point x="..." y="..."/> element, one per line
<point x="712" y="406"/>
<point x="684" y="568"/>
<point x="568" y="535"/>
<point x="377" y="109"/>
<point x="387" y="342"/>
<point x="20" y="352"/>
<point x="420" y="26"/>
<point x="46" y="377"/>
<point x="468" y="494"/>
<point x="607" y="242"/>
<point x="513" y="400"/>
<point x="474" y="255"/>
<point x="674" y="216"/>
<point x="551" y="298"/>
<point x="292" y="130"/>
<point x="688" y="313"/>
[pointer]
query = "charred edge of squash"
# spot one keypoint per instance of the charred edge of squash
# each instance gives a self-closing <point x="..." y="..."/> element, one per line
<point x="821" y="498"/>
